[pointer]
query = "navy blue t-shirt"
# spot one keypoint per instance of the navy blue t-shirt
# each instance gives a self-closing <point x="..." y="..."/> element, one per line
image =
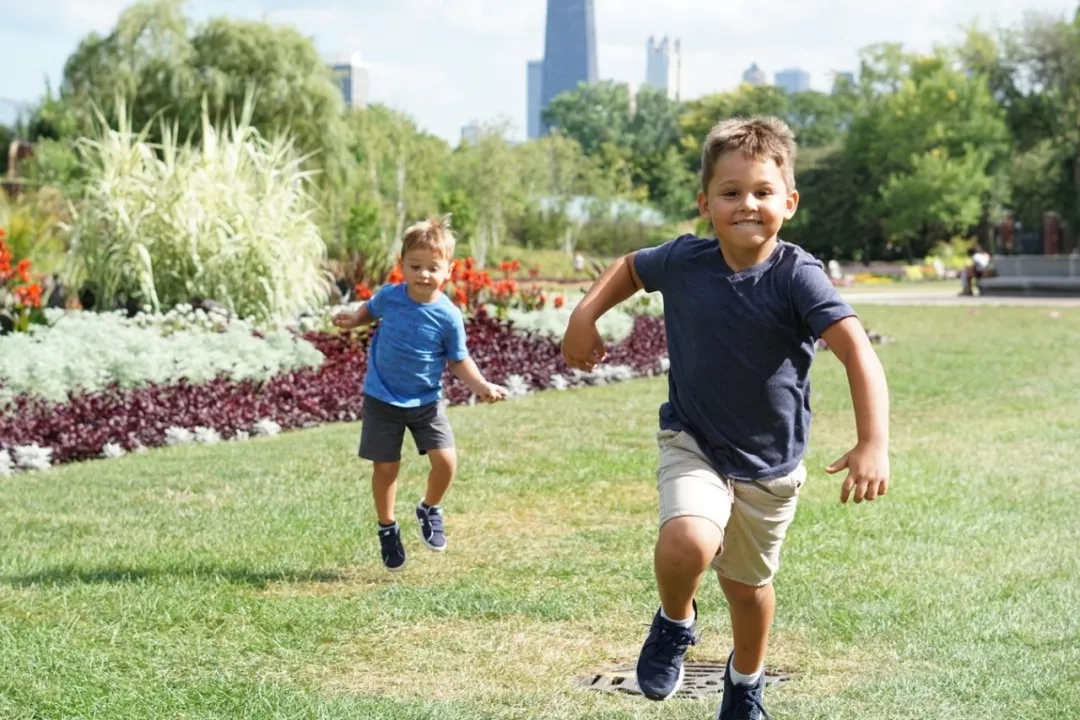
<point x="740" y="346"/>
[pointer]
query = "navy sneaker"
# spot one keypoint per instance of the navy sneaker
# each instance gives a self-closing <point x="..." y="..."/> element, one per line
<point x="431" y="527"/>
<point x="742" y="702"/>
<point x="660" y="665"/>
<point x="393" y="552"/>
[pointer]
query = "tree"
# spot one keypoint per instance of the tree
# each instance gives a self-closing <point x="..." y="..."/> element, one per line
<point x="161" y="66"/>
<point x="486" y="171"/>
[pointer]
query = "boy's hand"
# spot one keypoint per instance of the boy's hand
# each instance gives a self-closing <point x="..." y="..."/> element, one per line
<point x="582" y="346"/>
<point x="868" y="472"/>
<point x="492" y="393"/>
<point x="346" y="320"/>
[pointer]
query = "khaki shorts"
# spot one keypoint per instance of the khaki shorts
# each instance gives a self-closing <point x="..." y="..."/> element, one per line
<point x="753" y="516"/>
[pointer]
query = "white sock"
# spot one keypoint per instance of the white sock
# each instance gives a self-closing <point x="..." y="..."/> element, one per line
<point x="684" y="623"/>
<point x="739" y="679"/>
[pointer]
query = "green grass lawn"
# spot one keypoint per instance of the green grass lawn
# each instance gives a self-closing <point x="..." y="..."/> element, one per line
<point x="243" y="581"/>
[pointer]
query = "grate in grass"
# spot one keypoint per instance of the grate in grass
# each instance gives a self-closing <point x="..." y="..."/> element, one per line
<point x="703" y="679"/>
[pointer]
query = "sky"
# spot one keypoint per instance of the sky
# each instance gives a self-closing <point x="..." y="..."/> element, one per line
<point x="449" y="62"/>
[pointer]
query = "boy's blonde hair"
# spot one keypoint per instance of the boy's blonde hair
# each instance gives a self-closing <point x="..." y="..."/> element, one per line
<point x="760" y="137"/>
<point x="433" y="235"/>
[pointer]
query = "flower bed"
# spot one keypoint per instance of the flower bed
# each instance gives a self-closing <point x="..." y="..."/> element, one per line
<point x="36" y="432"/>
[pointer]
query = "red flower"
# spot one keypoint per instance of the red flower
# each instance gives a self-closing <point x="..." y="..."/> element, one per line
<point x="29" y="295"/>
<point x="396" y="276"/>
<point x="558" y="301"/>
<point x="23" y="270"/>
<point x="363" y="292"/>
<point x="460" y="298"/>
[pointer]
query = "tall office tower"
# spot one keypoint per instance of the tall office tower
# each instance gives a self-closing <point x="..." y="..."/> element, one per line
<point x="351" y="77"/>
<point x="755" y="76"/>
<point x="569" y="49"/>
<point x="663" y="67"/>
<point x="793" y="80"/>
<point x="535" y="88"/>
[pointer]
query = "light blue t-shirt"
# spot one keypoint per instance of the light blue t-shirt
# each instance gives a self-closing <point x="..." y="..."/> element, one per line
<point x="409" y="351"/>
<point x="741" y="345"/>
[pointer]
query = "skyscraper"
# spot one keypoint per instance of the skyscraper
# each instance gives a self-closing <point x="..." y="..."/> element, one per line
<point x="793" y="80"/>
<point x="755" y="76"/>
<point x="535" y="87"/>
<point x="663" y="66"/>
<point x="351" y="77"/>
<point x="569" y="49"/>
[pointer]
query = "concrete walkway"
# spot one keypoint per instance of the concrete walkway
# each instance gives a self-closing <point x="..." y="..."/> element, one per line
<point x="914" y="295"/>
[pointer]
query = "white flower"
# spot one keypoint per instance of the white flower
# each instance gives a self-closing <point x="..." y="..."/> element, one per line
<point x="266" y="428"/>
<point x="665" y="364"/>
<point x="33" y="457"/>
<point x="140" y="449"/>
<point x="241" y="435"/>
<point x="7" y="467"/>
<point x="179" y="436"/>
<point x="559" y="382"/>
<point x="207" y="436"/>
<point x="112" y="450"/>
<point x="516" y="386"/>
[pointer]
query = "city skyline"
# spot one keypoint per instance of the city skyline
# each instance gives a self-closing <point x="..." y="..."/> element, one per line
<point x="448" y="62"/>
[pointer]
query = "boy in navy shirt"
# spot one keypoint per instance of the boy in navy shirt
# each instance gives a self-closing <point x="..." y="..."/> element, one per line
<point x="420" y="331"/>
<point x="742" y="313"/>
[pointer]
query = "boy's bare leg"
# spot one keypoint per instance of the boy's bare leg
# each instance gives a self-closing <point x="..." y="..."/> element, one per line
<point x="384" y="489"/>
<point x="443" y="467"/>
<point x="751" y="611"/>
<point x="684" y="550"/>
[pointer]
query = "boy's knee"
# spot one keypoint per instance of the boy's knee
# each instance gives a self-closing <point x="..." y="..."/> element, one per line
<point x="688" y="543"/>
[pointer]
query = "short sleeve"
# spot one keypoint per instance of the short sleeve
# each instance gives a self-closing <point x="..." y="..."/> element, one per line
<point x="375" y="304"/>
<point x="651" y="266"/>
<point x="816" y="300"/>
<point x="456" y="349"/>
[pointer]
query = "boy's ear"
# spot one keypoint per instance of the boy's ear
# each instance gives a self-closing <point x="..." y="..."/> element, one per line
<point x="703" y="204"/>
<point x="792" y="204"/>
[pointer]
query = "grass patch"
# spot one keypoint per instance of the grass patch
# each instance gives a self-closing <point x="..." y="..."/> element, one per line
<point x="243" y="581"/>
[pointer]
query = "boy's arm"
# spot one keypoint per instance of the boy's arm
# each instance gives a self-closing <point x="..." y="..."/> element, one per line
<point x="868" y="462"/>
<point x="469" y="374"/>
<point x="582" y="346"/>
<point x="361" y="317"/>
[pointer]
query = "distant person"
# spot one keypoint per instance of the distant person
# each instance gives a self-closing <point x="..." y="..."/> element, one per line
<point x="579" y="262"/>
<point x="980" y="263"/>
<point x="420" y="331"/>
<point x="742" y="313"/>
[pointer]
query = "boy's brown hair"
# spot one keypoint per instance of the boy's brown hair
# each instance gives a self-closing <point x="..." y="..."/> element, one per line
<point x="433" y="235"/>
<point x="760" y="137"/>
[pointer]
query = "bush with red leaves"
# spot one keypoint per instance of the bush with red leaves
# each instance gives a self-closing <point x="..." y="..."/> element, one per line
<point x="80" y="428"/>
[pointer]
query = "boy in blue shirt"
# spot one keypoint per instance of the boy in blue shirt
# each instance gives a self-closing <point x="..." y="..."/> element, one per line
<point x="420" y="331"/>
<point x="742" y="314"/>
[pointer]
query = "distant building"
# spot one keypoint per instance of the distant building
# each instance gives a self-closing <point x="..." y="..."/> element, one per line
<point x="535" y="86"/>
<point x="842" y="79"/>
<point x="663" y="66"/>
<point x="352" y="78"/>
<point x="569" y="49"/>
<point x="793" y="80"/>
<point x="755" y="76"/>
<point x="471" y="133"/>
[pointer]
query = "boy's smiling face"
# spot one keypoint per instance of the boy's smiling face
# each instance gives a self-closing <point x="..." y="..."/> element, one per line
<point x="747" y="203"/>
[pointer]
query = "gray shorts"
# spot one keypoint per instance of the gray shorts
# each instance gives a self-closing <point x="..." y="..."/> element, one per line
<point x="383" y="429"/>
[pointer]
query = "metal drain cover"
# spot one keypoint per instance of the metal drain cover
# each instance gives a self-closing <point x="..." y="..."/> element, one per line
<point x="703" y="679"/>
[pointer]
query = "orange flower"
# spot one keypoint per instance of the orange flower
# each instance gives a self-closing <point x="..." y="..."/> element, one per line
<point x="29" y="295"/>
<point x="460" y="298"/>
<point x="3" y="234"/>
<point x="23" y="270"/>
<point x="558" y="301"/>
<point x="363" y="292"/>
<point x="396" y="276"/>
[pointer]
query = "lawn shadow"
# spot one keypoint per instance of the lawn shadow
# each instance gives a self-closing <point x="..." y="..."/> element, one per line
<point x="73" y="575"/>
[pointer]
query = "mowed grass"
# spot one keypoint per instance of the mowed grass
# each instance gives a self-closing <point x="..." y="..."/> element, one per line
<point x="243" y="581"/>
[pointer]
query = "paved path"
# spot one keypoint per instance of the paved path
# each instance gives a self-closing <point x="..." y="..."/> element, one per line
<point x="940" y="297"/>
